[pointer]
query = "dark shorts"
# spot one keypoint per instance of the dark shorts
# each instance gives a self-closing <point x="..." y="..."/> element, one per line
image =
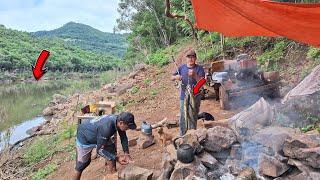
<point x="84" y="155"/>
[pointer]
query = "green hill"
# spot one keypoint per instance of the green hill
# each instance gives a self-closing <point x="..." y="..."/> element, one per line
<point x="19" y="50"/>
<point x="88" y="38"/>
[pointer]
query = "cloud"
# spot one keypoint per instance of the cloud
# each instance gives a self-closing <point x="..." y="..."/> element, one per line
<point x="35" y="15"/>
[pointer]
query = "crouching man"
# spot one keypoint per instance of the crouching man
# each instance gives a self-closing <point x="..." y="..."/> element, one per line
<point x="100" y="133"/>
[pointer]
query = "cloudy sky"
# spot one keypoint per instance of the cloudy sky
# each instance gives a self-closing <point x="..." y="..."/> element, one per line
<point x="35" y="15"/>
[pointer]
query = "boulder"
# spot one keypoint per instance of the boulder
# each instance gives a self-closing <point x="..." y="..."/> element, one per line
<point x="194" y="138"/>
<point x="217" y="172"/>
<point x="222" y="155"/>
<point x="208" y="160"/>
<point x="247" y="122"/>
<point x="145" y="141"/>
<point x="172" y="152"/>
<point x="167" y="167"/>
<point x="305" y="147"/>
<point x="305" y="97"/>
<point x="308" y="173"/>
<point x="219" y="138"/>
<point x="273" y="137"/>
<point x="195" y="169"/>
<point x="48" y="111"/>
<point x="58" y="99"/>
<point x="271" y="166"/>
<point x="131" y="172"/>
<point x="227" y="176"/>
<point x="121" y="89"/>
<point x="247" y="174"/>
<point x="234" y="166"/>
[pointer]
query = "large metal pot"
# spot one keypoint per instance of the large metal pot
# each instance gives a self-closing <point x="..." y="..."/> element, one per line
<point x="185" y="152"/>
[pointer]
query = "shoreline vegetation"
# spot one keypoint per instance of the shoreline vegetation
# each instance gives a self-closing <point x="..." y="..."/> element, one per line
<point x="27" y="98"/>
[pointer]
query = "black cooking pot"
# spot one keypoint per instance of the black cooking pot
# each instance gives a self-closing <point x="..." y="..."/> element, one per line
<point x="185" y="152"/>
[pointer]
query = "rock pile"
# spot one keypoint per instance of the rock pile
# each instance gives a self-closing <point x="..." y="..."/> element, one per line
<point x="250" y="148"/>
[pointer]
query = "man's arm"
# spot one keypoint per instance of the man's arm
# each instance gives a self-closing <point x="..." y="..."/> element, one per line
<point x="176" y="75"/>
<point x="124" y="141"/>
<point x="102" y="137"/>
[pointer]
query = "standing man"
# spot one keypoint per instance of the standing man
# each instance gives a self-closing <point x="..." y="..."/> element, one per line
<point x="189" y="73"/>
<point x="100" y="133"/>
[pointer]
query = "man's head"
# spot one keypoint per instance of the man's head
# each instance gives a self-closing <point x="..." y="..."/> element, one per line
<point x="125" y="121"/>
<point x="191" y="57"/>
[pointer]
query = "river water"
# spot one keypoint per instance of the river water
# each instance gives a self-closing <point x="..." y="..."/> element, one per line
<point x="21" y="104"/>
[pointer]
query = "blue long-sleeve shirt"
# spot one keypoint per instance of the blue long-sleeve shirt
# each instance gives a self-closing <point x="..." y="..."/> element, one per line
<point x="98" y="132"/>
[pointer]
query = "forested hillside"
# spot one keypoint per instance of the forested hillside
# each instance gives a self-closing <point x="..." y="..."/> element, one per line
<point x="88" y="38"/>
<point x="155" y="37"/>
<point x="19" y="50"/>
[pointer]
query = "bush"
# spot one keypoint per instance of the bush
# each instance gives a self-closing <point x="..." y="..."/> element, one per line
<point x="269" y="59"/>
<point x="42" y="173"/>
<point x="159" y="58"/>
<point x="313" y="53"/>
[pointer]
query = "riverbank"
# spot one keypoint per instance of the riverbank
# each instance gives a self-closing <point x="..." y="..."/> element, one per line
<point x="25" y="100"/>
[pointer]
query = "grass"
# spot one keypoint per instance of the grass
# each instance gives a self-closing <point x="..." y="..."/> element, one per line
<point x="120" y="107"/>
<point x="135" y="90"/>
<point x="147" y="82"/>
<point x="44" y="147"/>
<point x="37" y="151"/>
<point x="154" y="92"/>
<point x="42" y="173"/>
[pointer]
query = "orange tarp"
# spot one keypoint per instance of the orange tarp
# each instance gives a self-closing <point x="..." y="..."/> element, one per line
<point x="300" y="22"/>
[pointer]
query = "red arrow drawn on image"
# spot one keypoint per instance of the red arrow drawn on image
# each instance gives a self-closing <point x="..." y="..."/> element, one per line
<point x="197" y="87"/>
<point x="37" y="70"/>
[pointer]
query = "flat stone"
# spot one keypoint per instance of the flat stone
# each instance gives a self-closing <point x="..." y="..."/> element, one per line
<point x="208" y="160"/>
<point x="219" y="138"/>
<point x="135" y="173"/>
<point x="308" y="173"/>
<point x="305" y="147"/>
<point x="247" y="174"/>
<point x="145" y="141"/>
<point x="132" y="142"/>
<point x="195" y="169"/>
<point x="271" y="166"/>
<point x="273" y="137"/>
<point x="248" y="122"/>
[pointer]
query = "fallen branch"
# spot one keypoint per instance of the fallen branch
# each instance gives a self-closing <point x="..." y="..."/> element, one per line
<point x="176" y="16"/>
<point x="158" y="124"/>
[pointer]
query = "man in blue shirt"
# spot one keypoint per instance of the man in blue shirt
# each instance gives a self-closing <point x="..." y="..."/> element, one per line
<point x="100" y="133"/>
<point x="189" y="73"/>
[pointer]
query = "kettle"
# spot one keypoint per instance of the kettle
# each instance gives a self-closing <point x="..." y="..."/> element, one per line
<point x="146" y="128"/>
<point x="185" y="152"/>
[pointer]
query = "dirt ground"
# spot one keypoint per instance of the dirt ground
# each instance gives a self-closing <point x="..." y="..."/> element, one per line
<point x="152" y="107"/>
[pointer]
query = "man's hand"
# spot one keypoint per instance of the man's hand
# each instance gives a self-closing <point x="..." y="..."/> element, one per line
<point x="128" y="158"/>
<point x="176" y="78"/>
<point x="122" y="160"/>
<point x="191" y="73"/>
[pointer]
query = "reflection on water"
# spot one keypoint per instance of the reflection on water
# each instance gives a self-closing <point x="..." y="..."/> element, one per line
<point x="23" y="101"/>
<point x="18" y="132"/>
